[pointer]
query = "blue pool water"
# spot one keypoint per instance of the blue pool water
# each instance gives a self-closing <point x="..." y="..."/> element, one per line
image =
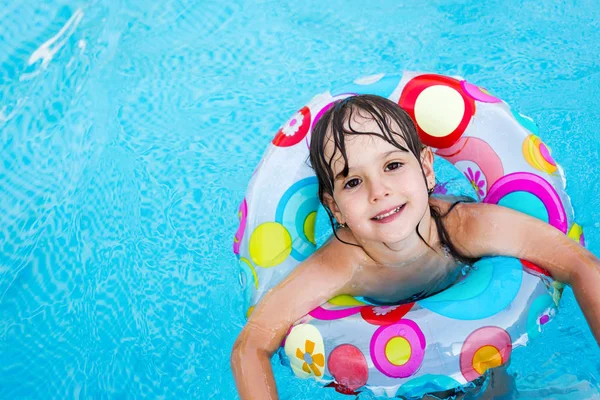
<point x="128" y="131"/>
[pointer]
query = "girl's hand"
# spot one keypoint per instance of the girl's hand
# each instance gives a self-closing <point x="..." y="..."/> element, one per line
<point x="479" y="230"/>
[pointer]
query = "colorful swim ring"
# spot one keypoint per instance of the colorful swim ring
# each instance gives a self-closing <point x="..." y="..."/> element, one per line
<point x="443" y="341"/>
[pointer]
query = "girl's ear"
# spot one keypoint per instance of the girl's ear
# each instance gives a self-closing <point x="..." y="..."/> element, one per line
<point x="427" y="163"/>
<point x="332" y="205"/>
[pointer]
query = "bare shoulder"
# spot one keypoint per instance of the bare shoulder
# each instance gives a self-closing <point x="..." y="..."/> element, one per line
<point x="341" y="256"/>
<point x="470" y="224"/>
<point x="479" y="229"/>
<point x="475" y="218"/>
<point x="454" y="210"/>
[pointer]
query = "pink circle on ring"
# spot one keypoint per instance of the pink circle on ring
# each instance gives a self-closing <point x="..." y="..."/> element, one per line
<point x="536" y="185"/>
<point x="330" y="315"/>
<point x="546" y="154"/>
<point x="408" y="330"/>
<point x="476" y="93"/>
<point x="320" y="114"/>
<point x="486" y="336"/>
<point x="243" y="210"/>
<point x="477" y="151"/>
<point x="317" y="117"/>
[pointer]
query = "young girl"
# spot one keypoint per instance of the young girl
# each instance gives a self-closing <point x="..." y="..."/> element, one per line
<point x="393" y="241"/>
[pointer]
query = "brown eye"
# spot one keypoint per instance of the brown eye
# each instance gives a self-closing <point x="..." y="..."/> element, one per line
<point x="393" y="165"/>
<point x="351" y="183"/>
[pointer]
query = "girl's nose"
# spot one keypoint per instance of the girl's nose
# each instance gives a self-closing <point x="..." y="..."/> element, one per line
<point x="378" y="191"/>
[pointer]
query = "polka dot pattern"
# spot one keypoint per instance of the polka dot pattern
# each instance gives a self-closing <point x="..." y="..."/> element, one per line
<point x="385" y="315"/>
<point x="306" y="352"/>
<point x="576" y="233"/>
<point x="348" y="366"/>
<point x="294" y="130"/>
<point x="446" y="119"/>
<point x="320" y="113"/>
<point x="478" y="93"/>
<point x="270" y="244"/>
<point x="526" y="191"/>
<point x="398" y="350"/>
<point x="471" y="155"/>
<point x="350" y="343"/>
<point x="486" y="348"/>
<point x="309" y="227"/>
<point x="533" y="269"/>
<point x="296" y="211"/>
<point x="538" y="155"/>
<point x="439" y="107"/>
<point x="346" y="300"/>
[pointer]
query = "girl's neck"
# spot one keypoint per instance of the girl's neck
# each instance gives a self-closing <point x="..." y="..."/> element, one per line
<point x="406" y="251"/>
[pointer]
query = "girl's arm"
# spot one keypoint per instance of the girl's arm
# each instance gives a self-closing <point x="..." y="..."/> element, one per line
<point x="480" y="230"/>
<point x="318" y="279"/>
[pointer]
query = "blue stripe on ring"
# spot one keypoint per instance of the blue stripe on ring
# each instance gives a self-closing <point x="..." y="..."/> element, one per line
<point x="294" y="206"/>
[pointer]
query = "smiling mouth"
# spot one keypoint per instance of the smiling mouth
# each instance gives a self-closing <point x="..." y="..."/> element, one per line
<point x="387" y="214"/>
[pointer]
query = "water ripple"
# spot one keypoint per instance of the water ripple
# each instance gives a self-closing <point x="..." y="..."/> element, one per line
<point x="129" y="130"/>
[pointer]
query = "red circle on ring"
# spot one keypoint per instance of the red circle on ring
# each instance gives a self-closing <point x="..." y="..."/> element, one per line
<point x="369" y="314"/>
<point x="415" y="87"/>
<point x="283" y="140"/>
<point x="531" y="266"/>
<point x="348" y="365"/>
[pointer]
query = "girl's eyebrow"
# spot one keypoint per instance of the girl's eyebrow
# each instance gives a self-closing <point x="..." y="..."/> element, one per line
<point x="388" y="153"/>
<point x="340" y="175"/>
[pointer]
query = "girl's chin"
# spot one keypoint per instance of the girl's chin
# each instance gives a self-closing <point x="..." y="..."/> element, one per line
<point x="391" y="239"/>
<point x="399" y="239"/>
<point x="395" y="244"/>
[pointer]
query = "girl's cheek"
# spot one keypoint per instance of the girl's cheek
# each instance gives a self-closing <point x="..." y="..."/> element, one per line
<point x="353" y="216"/>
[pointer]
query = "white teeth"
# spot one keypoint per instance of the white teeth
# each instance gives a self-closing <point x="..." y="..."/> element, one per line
<point x="394" y="211"/>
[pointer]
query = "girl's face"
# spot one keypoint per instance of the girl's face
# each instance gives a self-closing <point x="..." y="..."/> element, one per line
<point x="384" y="197"/>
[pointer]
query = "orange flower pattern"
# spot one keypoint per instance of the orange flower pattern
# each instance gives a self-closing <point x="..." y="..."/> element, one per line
<point x="312" y="362"/>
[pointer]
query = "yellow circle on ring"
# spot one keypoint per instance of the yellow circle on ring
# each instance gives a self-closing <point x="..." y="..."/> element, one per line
<point x="345" y="300"/>
<point x="270" y="244"/>
<point x="439" y="110"/>
<point x="309" y="227"/>
<point x="533" y="155"/>
<point x="575" y="232"/>
<point x="486" y="357"/>
<point x="398" y="350"/>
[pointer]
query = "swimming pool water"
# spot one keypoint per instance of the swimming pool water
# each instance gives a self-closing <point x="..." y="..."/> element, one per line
<point x="130" y="128"/>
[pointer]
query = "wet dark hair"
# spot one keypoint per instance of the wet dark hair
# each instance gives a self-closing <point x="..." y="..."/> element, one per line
<point x="336" y="123"/>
